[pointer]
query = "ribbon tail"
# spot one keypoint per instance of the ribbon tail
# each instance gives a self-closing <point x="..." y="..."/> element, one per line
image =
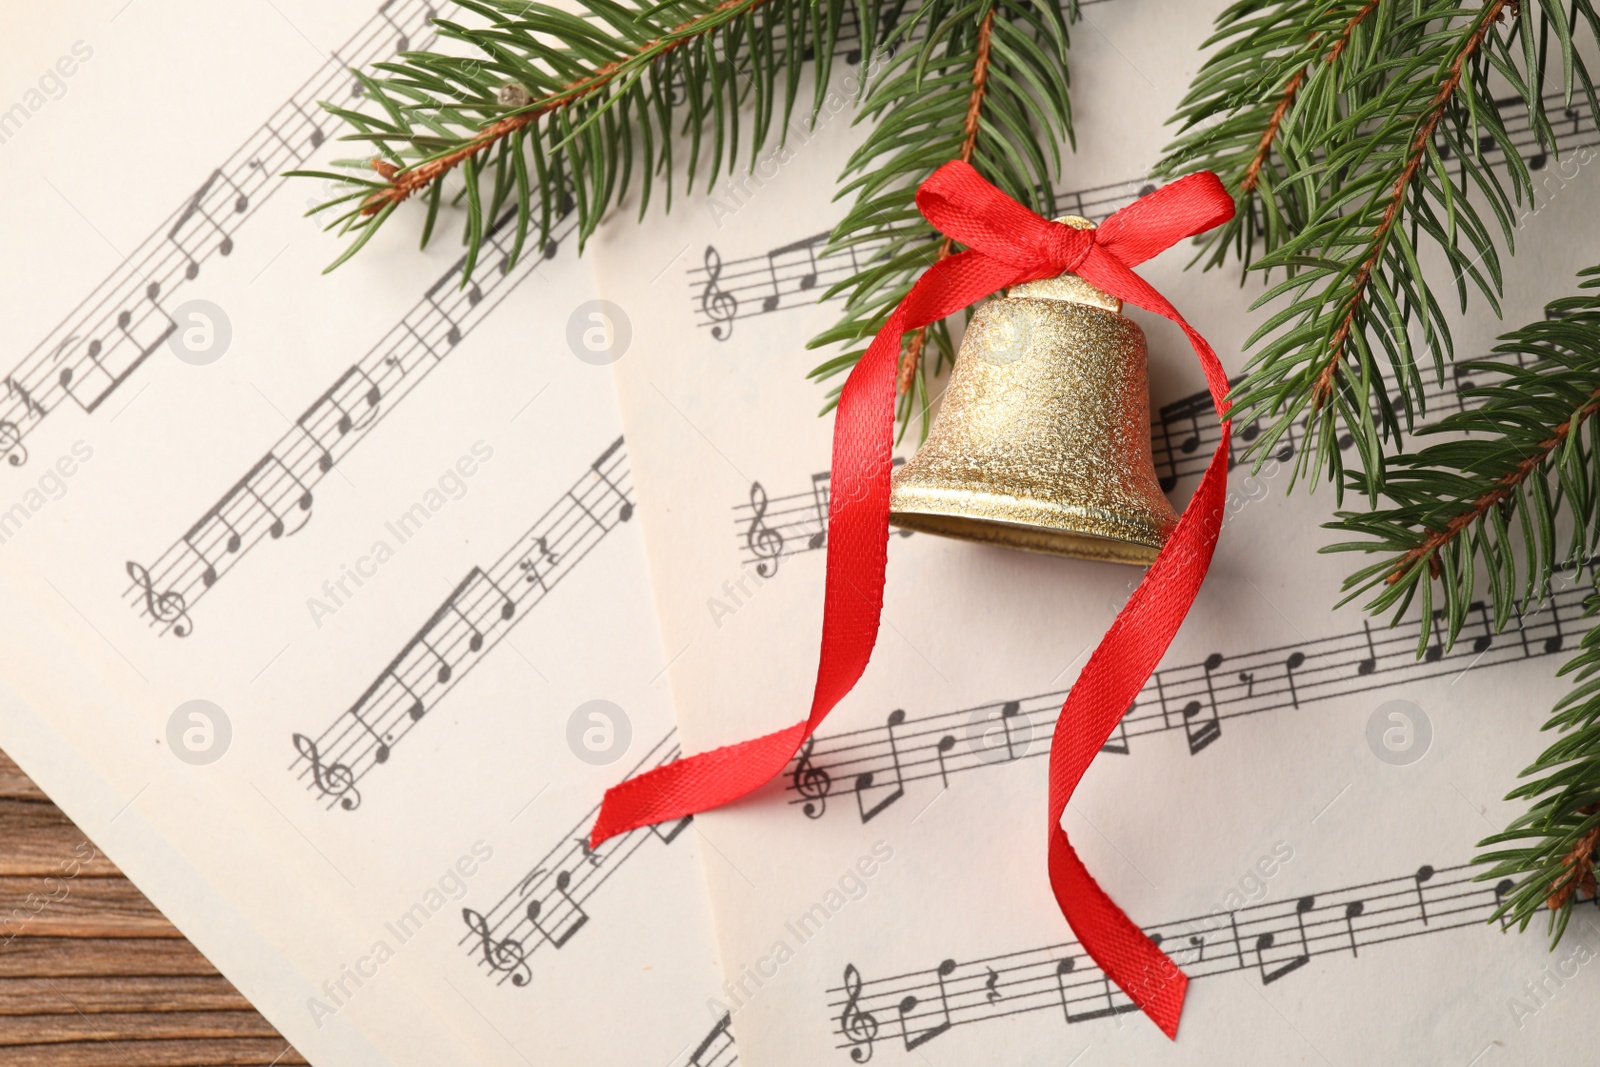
<point x="1103" y="693"/>
<point x="858" y="538"/>
<point x="1125" y="954"/>
<point x="695" y="783"/>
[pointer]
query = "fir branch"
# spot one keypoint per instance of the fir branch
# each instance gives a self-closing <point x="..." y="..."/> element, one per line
<point x="1266" y="57"/>
<point x="1505" y="486"/>
<point x="1252" y="173"/>
<point x="1577" y="867"/>
<point x="404" y="182"/>
<point x="1544" y="861"/>
<point x="1358" y="132"/>
<point x="1359" y="288"/>
<point x="1523" y="460"/>
<point x="552" y="111"/>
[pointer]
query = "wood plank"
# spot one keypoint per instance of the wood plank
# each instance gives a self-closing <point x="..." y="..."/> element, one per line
<point x="98" y="977"/>
<point x="13" y="783"/>
<point x="68" y="957"/>
<point x="78" y="907"/>
<point x="55" y="996"/>
<point x="38" y="839"/>
<point x="133" y="1026"/>
<point x="244" y="1052"/>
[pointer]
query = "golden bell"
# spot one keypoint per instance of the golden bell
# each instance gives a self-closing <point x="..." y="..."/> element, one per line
<point x="1043" y="438"/>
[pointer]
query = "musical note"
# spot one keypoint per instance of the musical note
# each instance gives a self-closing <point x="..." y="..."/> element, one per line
<point x="1553" y="643"/>
<point x="819" y="497"/>
<point x="811" y="782"/>
<point x="859" y="1027"/>
<point x="1352" y="911"/>
<point x="909" y="1004"/>
<point x="402" y="42"/>
<point x="865" y="780"/>
<point x="165" y="607"/>
<point x="1435" y="651"/>
<point x="505" y="955"/>
<point x="452" y="334"/>
<point x="717" y="304"/>
<point x="1485" y="640"/>
<point x="1501" y="888"/>
<point x="808" y="277"/>
<point x="1267" y="940"/>
<point x="316" y="136"/>
<point x="343" y="420"/>
<point x="334" y="780"/>
<point x="625" y="511"/>
<point x="380" y="751"/>
<point x="764" y="541"/>
<point x="276" y="528"/>
<point x="1189" y="409"/>
<point x="1424" y="873"/>
<point x="1203" y="733"/>
<point x="1066" y="967"/>
<point x="195" y="206"/>
<point x="1370" y="664"/>
<point x="535" y="909"/>
<point x="1295" y="661"/>
<point x="946" y="743"/>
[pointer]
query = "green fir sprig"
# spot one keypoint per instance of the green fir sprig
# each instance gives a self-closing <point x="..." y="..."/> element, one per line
<point x="538" y="110"/>
<point x="1360" y="134"/>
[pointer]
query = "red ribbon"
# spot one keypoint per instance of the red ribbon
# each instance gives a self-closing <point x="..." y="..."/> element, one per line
<point x="1007" y="244"/>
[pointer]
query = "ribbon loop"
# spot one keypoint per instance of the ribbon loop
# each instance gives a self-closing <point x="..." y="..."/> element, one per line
<point x="1007" y="244"/>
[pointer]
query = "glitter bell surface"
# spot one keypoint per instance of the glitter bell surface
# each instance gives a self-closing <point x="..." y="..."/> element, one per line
<point x="1043" y="438"/>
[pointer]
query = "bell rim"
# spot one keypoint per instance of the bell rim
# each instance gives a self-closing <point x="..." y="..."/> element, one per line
<point x="1045" y="526"/>
<point x="1039" y="540"/>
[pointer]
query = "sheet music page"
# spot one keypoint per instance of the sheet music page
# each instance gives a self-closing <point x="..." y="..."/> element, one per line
<point x="1293" y="801"/>
<point x="329" y="614"/>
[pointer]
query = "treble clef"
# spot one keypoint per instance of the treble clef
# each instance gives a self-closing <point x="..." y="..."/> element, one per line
<point x="503" y="955"/>
<point x="811" y="782"/>
<point x="763" y="541"/>
<point x="163" y="607"/>
<point x="11" y="443"/>
<point x="718" y="304"/>
<point x="859" y="1027"/>
<point x="334" y="779"/>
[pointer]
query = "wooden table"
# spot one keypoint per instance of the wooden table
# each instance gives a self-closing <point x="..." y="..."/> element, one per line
<point x="91" y="973"/>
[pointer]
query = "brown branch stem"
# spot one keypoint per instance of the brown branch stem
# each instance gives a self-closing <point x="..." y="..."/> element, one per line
<point x="1505" y="485"/>
<point x="1578" y="867"/>
<point x="969" y="143"/>
<point x="1269" y="136"/>
<point x="403" y="184"/>
<point x="1397" y="198"/>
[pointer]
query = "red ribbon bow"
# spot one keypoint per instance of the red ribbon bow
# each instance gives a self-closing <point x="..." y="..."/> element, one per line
<point x="1007" y="244"/>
